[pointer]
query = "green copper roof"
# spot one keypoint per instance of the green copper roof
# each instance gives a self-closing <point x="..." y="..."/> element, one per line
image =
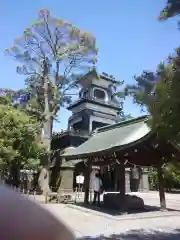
<point x="113" y="137"/>
<point x="68" y="164"/>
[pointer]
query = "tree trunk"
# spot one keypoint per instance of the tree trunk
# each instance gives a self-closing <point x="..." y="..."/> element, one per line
<point x="161" y="187"/>
<point x="14" y="175"/>
<point x="43" y="181"/>
<point x="48" y="126"/>
<point x="44" y="178"/>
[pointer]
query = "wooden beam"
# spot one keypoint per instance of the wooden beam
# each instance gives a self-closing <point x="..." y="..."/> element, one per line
<point x="86" y="183"/>
<point x="122" y="187"/>
<point x="161" y="187"/>
<point x="122" y="179"/>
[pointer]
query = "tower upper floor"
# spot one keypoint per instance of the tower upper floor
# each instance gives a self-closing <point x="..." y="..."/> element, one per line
<point x="99" y="89"/>
<point x="97" y="104"/>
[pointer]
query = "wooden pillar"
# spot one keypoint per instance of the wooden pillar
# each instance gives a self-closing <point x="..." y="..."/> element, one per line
<point x="122" y="187"/>
<point x="86" y="184"/>
<point x="122" y="181"/>
<point x="161" y="187"/>
<point x="109" y="179"/>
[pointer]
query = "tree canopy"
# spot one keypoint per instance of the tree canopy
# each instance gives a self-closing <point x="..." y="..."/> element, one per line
<point x="159" y="93"/>
<point x="18" y="136"/>
<point x="54" y="54"/>
<point x="54" y="49"/>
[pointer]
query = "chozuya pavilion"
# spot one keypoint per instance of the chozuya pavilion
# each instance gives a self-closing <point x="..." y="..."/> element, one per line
<point x="122" y="145"/>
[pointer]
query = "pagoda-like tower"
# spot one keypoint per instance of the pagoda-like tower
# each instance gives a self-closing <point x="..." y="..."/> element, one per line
<point x="97" y="104"/>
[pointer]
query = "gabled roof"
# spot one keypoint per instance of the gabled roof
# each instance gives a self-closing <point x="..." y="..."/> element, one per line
<point x="112" y="138"/>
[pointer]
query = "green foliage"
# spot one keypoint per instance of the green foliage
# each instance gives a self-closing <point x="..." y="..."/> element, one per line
<point x="153" y="178"/>
<point x="35" y="106"/>
<point x="7" y="95"/>
<point x="18" y="138"/>
<point x="142" y="90"/>
<point x="171" y="174"/>
<point x="164" y="109"/>
<point x="159" y="93"/>
<point x="171" y="9"/>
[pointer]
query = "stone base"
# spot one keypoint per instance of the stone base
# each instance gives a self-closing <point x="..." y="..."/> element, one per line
<point x="132" y="202"/>
<point x="66" y="179"/>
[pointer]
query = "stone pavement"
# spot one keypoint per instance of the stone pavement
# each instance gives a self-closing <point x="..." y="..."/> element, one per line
<point x="90" y="224"/>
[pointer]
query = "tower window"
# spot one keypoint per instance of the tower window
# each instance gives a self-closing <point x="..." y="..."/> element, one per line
<point x="83" y="94"/>
<point x="99" y="94"/>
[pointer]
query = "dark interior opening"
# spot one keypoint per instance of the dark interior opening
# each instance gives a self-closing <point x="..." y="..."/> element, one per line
<point x="96" y="124"/>
<point x="79" y="126"/>
<point x="99" y="94"/>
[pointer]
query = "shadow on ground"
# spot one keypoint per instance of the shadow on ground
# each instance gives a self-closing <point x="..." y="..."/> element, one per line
<point x="115" y="212"/>
<point x="139" y="235"/>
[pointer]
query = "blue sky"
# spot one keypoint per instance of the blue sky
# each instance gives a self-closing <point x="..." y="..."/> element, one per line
<point x="129" y="37"/>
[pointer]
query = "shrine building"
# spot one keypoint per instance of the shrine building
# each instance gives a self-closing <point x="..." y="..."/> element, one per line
<point x="94" y="127"/>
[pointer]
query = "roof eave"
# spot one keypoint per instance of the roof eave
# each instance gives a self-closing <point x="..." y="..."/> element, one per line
<point x="109" y="150"/>
<point x="70" y="107"/>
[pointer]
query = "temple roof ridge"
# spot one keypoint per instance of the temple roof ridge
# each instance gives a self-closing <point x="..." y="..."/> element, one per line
<point x="143" y="118"/>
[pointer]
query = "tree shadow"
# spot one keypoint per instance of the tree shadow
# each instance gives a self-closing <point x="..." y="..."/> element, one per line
<point x="140" y="234"/>
<point x="116" y="212"/>
<point x="174" y="191"/>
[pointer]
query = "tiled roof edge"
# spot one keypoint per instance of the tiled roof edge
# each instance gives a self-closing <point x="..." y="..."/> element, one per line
<point x="122" y="124"/>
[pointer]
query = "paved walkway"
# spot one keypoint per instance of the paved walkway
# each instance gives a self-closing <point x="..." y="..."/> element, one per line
<point x="89" y="223"/>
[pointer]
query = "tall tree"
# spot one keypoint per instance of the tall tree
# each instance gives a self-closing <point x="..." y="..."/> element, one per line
<point x="53" y="54"/>
<point x="161" y="99"/>
<point x="171" y="9"/>
<point x="165" y="108"/>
